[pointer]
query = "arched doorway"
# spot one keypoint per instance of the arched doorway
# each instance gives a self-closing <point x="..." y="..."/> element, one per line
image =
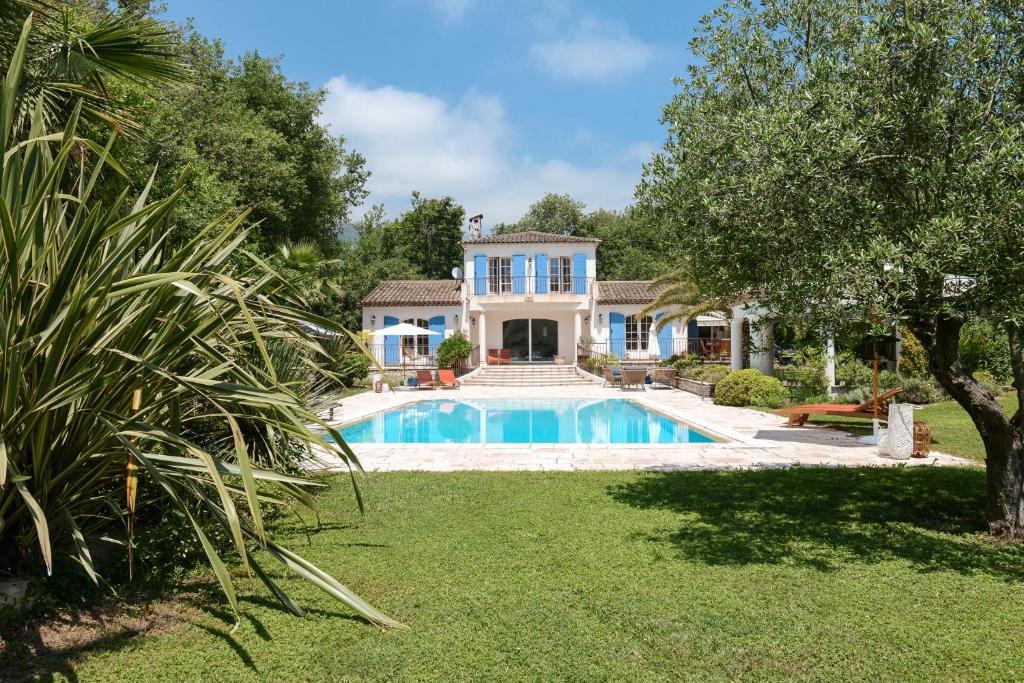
<point x="530" y="340"/>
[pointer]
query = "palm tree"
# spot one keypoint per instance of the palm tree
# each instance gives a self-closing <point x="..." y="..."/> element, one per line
<point x="76" y="54"/>
<point x="680" y="297"/>
<point x="313" y="278"/>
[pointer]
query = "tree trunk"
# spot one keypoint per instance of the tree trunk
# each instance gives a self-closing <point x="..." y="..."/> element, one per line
<point x="1003" y="437"/>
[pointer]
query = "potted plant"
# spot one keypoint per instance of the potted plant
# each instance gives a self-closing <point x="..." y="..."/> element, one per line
<point x="454" y="350"/>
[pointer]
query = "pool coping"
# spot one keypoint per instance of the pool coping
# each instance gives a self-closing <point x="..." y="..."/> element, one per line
<point x="732" y="438"/>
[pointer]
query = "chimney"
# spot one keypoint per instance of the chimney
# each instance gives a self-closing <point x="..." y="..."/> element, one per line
<point x="476" y="224"/>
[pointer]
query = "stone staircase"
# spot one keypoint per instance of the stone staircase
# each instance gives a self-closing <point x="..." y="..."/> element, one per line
<point x="525" y="376"/>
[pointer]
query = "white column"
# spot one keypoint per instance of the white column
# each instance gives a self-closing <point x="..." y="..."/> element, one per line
<point x="762" y="354"/>
<point x="579" y="330"/>
<point x="830" y="362"/>
<point x="481" y="323"/>
<point x="736" y="337"/>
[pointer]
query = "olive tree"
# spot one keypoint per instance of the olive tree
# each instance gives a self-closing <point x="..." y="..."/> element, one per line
<point x="863" y="161"/>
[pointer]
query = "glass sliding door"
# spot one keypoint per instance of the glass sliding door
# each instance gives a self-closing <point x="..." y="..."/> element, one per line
<point x="515" y="336"/>
<point x="530" y="340"/>
<point x="544" y="340"/>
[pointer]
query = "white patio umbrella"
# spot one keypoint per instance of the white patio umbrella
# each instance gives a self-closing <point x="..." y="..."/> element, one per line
<point x="403" y="330"/>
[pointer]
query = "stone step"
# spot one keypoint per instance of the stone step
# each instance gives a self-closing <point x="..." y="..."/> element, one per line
<point x="518" y="383"/>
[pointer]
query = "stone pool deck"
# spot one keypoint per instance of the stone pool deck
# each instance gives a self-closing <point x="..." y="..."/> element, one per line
<point x="753" y="439"/>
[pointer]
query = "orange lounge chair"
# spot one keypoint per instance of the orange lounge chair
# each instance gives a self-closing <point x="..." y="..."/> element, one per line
<point x="798" y="414"/>
<point x="425" y="379"/>
<point x="447" y="379"/>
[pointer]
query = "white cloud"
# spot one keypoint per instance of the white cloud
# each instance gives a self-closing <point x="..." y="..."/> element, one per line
<point x="593" y="52"/>
<point x="451" y="10"/>
<point x="413" y="141"/>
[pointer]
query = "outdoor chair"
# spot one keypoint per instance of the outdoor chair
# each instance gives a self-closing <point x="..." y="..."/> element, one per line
<point x="425" y="379"/>
<point x="634" y="377"/>
<point x="798" y="414"/>
<point x="447" y="379"/>
<point x="499" y="356"/>
<point x="663" y="377"/>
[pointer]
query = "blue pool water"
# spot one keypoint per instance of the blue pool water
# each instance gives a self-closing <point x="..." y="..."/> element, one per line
<point x="522" y="421"/>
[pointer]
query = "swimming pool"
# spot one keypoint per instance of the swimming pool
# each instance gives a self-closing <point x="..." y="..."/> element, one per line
<point x="500" y="421"/>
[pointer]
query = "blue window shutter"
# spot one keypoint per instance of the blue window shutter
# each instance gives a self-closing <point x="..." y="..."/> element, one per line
<point x="691" y="337"/>
<point x="392" y="354"/>
<point x="617" y="334"/>
<point x="664" y="339"/>
<point x="579" y="275"/>
<point x="518" y="274"/>
<point x="540" y="271"/>
<point x="480" y="274"/>
<point x="436" y="325"/>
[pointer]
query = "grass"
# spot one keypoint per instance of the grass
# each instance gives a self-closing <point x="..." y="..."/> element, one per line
<point x="827" y="574"/>
<point x="953" y="432"/>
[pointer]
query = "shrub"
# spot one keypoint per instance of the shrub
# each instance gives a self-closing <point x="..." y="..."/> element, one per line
<point x="353" y="368"/>
<point x="343" y="362"/>
<point x="852" y="371"/>
<point x="913" y="357"/>
<point x="917" y="390"/>
<point x="987" y="380"/>
<point x="712" y="373"/>
<point x="750" y="388"/>
<point x="984" y="347"/>
<point x="453" y="349"/>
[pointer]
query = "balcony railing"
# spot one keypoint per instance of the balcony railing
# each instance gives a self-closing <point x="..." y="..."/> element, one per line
<point x="618" y="351"/>
<point x="532" y="284"/>
<point x="394" y="355"/>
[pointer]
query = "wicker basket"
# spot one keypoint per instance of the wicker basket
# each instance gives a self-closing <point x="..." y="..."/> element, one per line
<point x="922" y="439"/>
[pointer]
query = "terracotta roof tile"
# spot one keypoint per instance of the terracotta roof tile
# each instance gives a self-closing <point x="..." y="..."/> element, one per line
<point x="531" y="237"/>
<point x="625" y="292"/>
<point x="414" y="293"/>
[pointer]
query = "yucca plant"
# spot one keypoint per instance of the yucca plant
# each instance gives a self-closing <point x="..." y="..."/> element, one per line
<point x="113" y="347"/>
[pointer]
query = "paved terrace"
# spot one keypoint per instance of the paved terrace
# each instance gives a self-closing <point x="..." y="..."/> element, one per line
<point x="754" y="439"/>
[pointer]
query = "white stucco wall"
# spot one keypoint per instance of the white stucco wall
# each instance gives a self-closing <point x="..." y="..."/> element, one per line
<point x="531" y="251"/>
<point x="566" y="321"/>
<point x="405" y="312"/>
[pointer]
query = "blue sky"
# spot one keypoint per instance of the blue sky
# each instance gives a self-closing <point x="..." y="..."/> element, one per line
<point x="494" y="103"/>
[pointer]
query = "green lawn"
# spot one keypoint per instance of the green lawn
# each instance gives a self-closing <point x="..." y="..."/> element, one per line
<point x="952" y="430"/>
<point x="826" y="574"/>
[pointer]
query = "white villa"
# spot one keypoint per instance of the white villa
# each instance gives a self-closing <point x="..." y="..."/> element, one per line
<point x="530" y="298"/>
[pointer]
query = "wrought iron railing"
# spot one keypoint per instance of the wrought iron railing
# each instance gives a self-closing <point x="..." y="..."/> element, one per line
<point x="394" y="355"/>
<point x="618" y="350"/>
<point x="532" y="284"/>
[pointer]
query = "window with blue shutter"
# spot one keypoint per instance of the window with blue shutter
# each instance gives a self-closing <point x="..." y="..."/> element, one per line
<point x="436" y="325"/>
<point x="519" y="274"/>
<point x="579" y="273"/>
<point x="664" y="339"/>
<point x="617" y="334"/>
<point x="480" y="274"/>
<point x="540" y="273"/>
<point x="392" y="352"/>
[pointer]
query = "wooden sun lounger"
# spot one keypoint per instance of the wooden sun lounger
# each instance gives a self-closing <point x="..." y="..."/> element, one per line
<point x="798" y="414"/>
<point x="425" y="379"/>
